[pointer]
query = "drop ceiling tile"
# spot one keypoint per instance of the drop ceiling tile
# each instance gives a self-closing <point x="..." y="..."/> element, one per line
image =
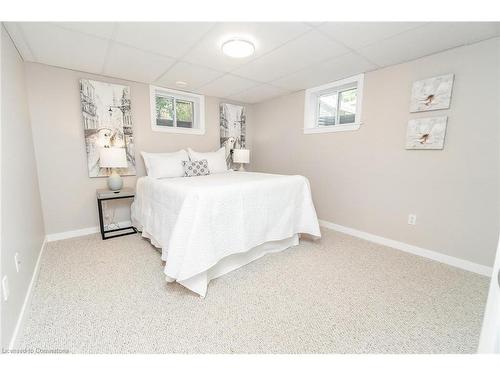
<point x="310" y="48"/>
<point x="266" y="36"/>
<point x="226" y="86"/>
<point x="166" y="38"/>
<point x="258" y="94"/>
<point x="53" y="45"/>
<point x="471" y="32"/>
<point x="195" y="76"/>
<point x="288" y="54"/>
<point x="360" y="34"/>
<point x="15" y="32"/>
<point x="423" y="41"/>
<point x="99" y="29"/>
<point x="135" y="65"/>
<point x="325" y="72"/>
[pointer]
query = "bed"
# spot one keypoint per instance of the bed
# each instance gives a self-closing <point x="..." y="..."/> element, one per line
<point x="207" y="226"/>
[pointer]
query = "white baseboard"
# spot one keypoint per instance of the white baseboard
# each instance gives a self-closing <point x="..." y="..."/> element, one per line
<point x="434" y="255"/>
<point x="80" y="232"/>
<point x="27" y="300"/>
<point x="72" y="233"/>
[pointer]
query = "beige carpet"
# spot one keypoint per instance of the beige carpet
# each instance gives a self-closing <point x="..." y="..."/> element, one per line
<point x="338" y="295"/>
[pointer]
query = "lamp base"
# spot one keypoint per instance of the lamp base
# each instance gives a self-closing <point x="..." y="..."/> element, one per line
<point x="115" y="182"/>
<point x="242" y="168"/>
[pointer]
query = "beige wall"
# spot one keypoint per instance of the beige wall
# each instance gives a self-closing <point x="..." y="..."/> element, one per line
<point x="366" y="179"/>
<point x="22" y="223"/>
<point x="363" y="179"/>
<point x="68" y="194"/>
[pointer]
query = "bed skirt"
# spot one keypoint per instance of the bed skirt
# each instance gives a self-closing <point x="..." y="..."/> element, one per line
<point x="199" y="283"/>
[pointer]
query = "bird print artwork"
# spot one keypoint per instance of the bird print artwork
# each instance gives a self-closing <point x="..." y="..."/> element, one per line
<point x="432" y="93"/>
<point x="107" y="123"/>
<point x="426" y="133"/>
<point x="232" y="128"/>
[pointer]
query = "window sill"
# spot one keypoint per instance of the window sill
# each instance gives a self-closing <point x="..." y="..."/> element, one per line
<point x="172" y="129"/>
<point x="332" y="129"/>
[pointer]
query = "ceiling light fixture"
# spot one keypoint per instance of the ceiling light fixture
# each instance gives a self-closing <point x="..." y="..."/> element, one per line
<point x="181" y="83"/>
<point x="238" y="48"/>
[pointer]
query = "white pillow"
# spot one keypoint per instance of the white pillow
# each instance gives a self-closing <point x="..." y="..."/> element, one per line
<point x="216" y="160"/>
<point x="159" y="165"/>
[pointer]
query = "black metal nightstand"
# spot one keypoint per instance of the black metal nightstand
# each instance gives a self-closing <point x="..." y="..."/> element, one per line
<point x="106" y="195"/>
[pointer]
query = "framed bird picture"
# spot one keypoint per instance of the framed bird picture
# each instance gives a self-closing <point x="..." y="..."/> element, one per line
<point x="232" y="128"/>
<point x="107" y="123"/>
<point x="426" y="133"/>
<point x="431" y="94"/>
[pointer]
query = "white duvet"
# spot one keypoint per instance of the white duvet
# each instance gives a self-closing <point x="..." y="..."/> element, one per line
<point x="200" y="221"/>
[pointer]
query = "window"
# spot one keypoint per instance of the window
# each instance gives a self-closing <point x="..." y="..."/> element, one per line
<point x="177" y="111"/>
<point x="334" y="107"/>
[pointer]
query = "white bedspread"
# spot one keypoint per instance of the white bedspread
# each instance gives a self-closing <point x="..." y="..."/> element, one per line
<point x="198" y="221"/>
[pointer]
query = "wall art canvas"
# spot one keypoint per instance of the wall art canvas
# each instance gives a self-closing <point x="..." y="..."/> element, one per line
<point x="107" y="122"/>
<point x="426" y="133"/>
<point x="232" y="128"/>
<point x="431" y="94"/>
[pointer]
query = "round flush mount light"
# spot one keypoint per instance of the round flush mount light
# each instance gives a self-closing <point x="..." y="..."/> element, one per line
<point x="181" y="84"/>
<point x="238" y="48"/>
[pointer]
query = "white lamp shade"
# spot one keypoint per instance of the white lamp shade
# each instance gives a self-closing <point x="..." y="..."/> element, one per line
<point x="241" y="155"/>
<point x="113" y="157"/>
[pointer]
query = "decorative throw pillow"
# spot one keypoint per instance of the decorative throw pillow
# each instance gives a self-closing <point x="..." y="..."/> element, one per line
<point x="216" y="160"/>
<point x="195" y="168"/>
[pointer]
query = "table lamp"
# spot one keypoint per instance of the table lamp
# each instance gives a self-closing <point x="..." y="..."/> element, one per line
<point x="242" y="156"/>
<point x="113" y="157"/>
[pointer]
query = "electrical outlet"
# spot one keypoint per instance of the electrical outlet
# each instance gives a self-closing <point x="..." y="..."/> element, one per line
<point x="17" y="261"/>
<point x="412" y="219"/>
<point x="5" y="288"/>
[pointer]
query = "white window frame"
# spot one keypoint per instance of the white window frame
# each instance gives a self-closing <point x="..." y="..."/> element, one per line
<point x="311" y="105"/>
<point x="198" y="110"/>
